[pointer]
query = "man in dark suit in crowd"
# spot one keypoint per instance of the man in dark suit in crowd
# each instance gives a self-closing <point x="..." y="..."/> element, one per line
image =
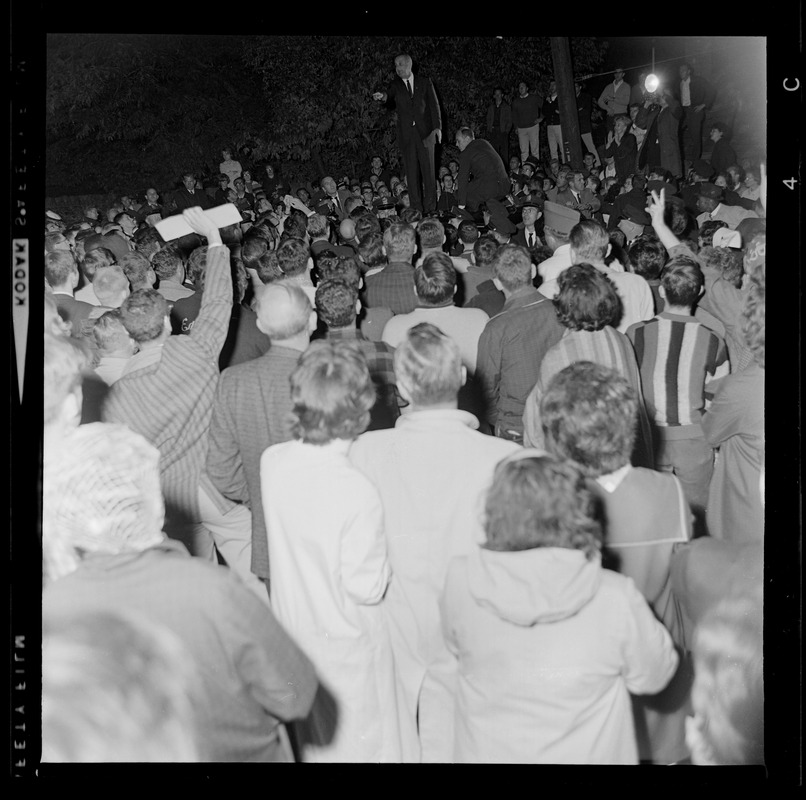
<point x="189" y="196"/>
<point x="482" y="174"/>
<point x="696" y="96"/>
<point x="419" y="128"/>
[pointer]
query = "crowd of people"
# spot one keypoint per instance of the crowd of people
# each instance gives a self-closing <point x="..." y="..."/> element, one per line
<point x="466" y="472"/>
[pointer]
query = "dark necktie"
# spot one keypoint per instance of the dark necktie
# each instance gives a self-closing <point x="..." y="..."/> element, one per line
<point x="531" y="240"/>
<point x="408" y="86"/>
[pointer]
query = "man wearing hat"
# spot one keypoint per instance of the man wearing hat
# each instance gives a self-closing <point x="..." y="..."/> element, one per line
<point x="634" y="223"/>
<point x="527" y="236"/>
<point x="660" y="119"/>
<point x="499" y="224"/>
<point x="709" y="203"/>
<point x="482" y="174"/>
<point x="557" y="224"/>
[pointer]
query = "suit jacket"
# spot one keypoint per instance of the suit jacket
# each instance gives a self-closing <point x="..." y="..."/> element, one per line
<point x="505" y="120"/>
<point x="250" y="413"/>
<point x="586" y="198"/>
<point x="481" y="164"/>
<point x="700" y="91"/>
<point x="584" y="111"/>
<point x="420" y="112"/>
<point x="520" y="238"/>
<point x="662" y="126"/>
<point x="183" y="199"/>
<point x="625" y="153"/>
<point x="76" y="312"/>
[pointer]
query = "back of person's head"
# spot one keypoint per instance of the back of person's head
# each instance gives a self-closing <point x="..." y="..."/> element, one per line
<point x="366" y="224"/>
<point x="677" y="218"/>
<point x="484" y="251"/>
<point x="589" y="242"/>
<point x="370" y="250"/>
<point x="106" y="496"/>
<point x="292" y="256"/>
<point x="332" y="393"/>
<point x="318" y="226"/>
<point x="411" y="216"/>
<point x="435" y="279"/>
<point x="468" y="232"/>
<point x="588" y="413"/>
<point x="351" y="203"/>
<point x="586" y="299"/>
<point x="196" y="265"/>
<point x="512" y="266"/>
<point x="647" y="256"/>
<point x="705" y="235"/>
<point x="167" y="264"/>
<point x="138" y="270"/>
<point x="728" y="261"/>
<point x="148" y="241"/>
<point x="536" y="500"/>
<point x="283" y="311"/>
<point x="252" y="248"/>
<point x="335" y="303"/>
<point x="144" y="313"/>
<point x="754" y="313"/>
<point x="60" y="268"/>
<point x="728" y="690"/>
<point x="431" y="233"/>
<point x="400" y="242"/>
<point x="92" y="261"/>
<point x="64" y="361"/>
<point x="268" y="267"/>
<point x="295" y="225"/>
<point x="56" y="241"/>
<point x="428" y="366"/>
<point x="109" y="332"/>
<point x="116" y="688"/>
<point x="346" y="268"/>
<point x="111" y="286"/>
<point x="682" y="281"/>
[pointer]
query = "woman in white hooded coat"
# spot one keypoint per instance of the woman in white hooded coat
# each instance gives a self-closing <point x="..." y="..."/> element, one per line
<point x="550" y="645"/>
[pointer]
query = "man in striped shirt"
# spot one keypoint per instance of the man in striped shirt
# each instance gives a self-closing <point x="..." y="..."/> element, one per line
<point x="680" y="359"/>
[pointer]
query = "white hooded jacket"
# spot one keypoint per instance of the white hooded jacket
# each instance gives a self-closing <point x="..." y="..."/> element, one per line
<point x="549" y="647"/>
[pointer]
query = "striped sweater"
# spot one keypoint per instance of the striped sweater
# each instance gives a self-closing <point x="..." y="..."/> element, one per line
<point x="678" y="358"/>
<point x="169" y="399"/>
<point x="607" y="347"/>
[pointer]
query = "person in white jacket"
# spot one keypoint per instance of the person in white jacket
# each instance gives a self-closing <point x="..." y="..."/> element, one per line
<point x="329" y="567"/>
<point x="549" y="644"/>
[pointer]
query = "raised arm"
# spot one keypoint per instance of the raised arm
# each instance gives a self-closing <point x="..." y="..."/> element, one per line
<point x="211" y="326"/>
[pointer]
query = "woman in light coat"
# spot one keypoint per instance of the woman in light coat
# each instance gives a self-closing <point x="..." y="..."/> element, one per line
<point x="329" y="567"/>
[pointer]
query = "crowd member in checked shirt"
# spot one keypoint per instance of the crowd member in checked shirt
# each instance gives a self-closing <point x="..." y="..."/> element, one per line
<point x="393" y="287"/>
<point x="166" y="395"/>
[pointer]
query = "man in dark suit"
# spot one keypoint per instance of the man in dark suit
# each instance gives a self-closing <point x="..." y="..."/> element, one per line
<point x="696" y="96"/>
<point x="482" y="174"/>
<point x="419" y="128"/>
<point x="332" y="199"/>
<point x="189" y="196"/>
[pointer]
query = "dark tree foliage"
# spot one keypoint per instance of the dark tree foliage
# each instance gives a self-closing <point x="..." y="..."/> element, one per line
<point x="129" y="111"/>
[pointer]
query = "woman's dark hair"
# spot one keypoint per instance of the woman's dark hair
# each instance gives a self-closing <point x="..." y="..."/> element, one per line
<point x="587" y="299"/>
